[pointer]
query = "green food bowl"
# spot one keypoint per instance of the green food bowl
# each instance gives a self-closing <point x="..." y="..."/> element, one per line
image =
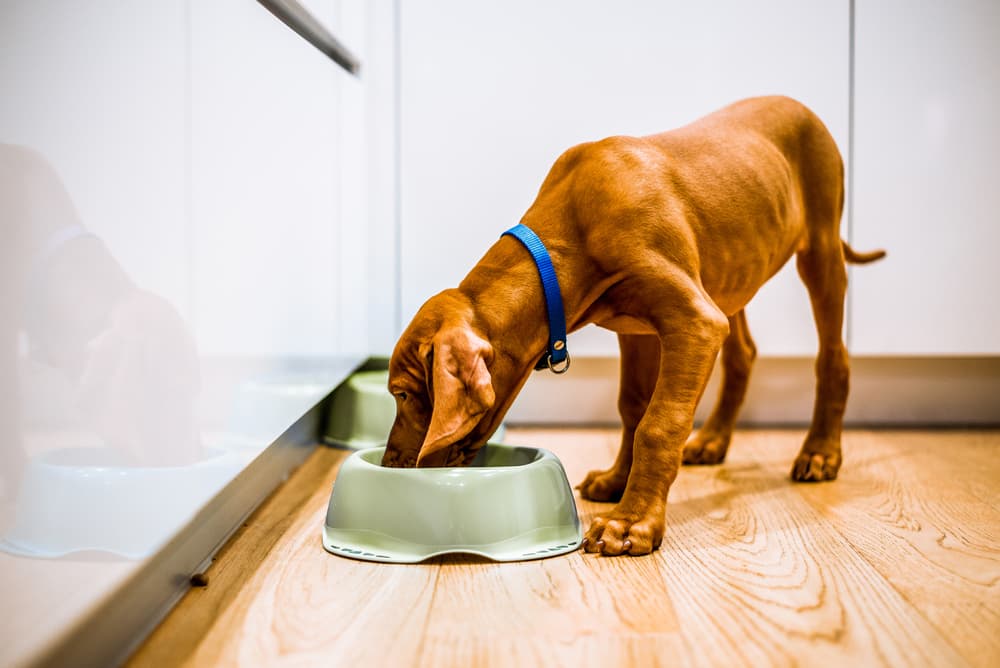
<point x="511" y="504"/>
<point x="362" y="412"/>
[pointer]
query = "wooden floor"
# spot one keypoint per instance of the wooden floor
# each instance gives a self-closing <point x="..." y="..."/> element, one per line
<point x="897" y="563"/>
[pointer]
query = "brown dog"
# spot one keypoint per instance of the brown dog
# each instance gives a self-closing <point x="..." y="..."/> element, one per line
<point x="664" y="240"/>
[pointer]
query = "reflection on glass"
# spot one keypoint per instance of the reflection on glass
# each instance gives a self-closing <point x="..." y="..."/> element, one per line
<point x="100" y="382"/>
<point x="172" y="280"/>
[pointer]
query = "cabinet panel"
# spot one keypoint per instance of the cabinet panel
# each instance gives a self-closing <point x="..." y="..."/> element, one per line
<point x="927" y="141"/>
<point x="265" y="184"/>
<point x="176" y="289"/>
<point x="92" y="185"/>
<point x="490" y="100"/>
<point x="98" y="94"/>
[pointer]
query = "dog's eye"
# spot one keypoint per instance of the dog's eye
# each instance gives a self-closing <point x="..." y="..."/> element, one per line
<point x="401" y="396"/>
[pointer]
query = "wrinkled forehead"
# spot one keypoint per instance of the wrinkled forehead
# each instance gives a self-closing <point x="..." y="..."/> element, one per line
<point x="407" y="369"/>
<point x="436" y="321"/>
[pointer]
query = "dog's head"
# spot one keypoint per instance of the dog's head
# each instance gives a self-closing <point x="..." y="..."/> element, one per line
<point x="440" y="376"/>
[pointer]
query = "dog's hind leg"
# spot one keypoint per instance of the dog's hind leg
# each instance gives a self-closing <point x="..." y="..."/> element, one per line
<point x="822" y="269"/>
<point x="639" y="364"/>
<point x="710" y="443"/>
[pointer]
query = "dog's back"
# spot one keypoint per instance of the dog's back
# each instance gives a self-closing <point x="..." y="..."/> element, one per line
<point x="730" y="197"/>
<point x="777" y="138"/>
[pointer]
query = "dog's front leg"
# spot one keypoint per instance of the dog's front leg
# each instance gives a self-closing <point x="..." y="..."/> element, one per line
<point x="690" y="338"/>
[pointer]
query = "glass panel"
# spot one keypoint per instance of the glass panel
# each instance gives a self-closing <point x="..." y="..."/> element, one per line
<point x="170" y="210"/>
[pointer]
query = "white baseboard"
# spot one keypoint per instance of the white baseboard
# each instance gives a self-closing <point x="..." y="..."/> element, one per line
<point x="896" y="391"/>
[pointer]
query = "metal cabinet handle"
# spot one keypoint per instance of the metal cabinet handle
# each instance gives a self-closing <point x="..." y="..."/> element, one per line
<point x="299" y="19"/>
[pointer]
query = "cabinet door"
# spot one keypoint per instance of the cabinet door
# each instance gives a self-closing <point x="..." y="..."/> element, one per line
<point x="490" y="98"/>
<point x="91" y="135"/>
<point x="265" y="151"/>
<point x="99" y="94"/>
<point x="925" y="180"/>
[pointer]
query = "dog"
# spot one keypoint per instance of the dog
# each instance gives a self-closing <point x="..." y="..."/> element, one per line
<point x="664" y="240"/>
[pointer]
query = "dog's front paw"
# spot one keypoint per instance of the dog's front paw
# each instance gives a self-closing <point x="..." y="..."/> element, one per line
<point x="603" y="485"/>
<point x="706" y="447"/>
<point x="817" y="462"/>
<point x="624" y="533"/>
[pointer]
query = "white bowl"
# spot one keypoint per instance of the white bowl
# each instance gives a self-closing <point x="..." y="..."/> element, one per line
<point x="80" y="499"/>
<point x="511" y="504"/>
<point x="362" y="412"/>
<point x="265" y="407"/>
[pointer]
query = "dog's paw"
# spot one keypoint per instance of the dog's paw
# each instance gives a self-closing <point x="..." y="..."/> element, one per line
<point x="603" y="485"/>
<point x="618" y="533"/>
<point x="706" y="447"/>
<point x="811" y="466"/>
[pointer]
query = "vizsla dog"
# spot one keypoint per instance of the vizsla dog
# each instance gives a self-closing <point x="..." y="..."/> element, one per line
<point x="662" y="239"/>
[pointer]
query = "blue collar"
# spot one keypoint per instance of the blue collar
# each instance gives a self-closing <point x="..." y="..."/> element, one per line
<point x="557" y="353"/>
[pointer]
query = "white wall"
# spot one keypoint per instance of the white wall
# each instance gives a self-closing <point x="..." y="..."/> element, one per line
<point x="265" y="185"/>
<point x="490" y="98"/>
<point x="927" y="141"/>
<point x="382" y="113"/>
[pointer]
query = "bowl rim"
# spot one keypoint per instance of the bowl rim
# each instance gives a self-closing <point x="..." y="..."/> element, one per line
<point x="540" y="455"/>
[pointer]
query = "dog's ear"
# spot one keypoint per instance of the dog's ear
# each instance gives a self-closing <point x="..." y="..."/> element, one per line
<point x="461" y="388"/>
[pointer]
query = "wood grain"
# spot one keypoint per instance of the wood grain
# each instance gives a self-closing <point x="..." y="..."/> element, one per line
<point x="922" y="509"/>
<point x="894" y="564"/>
<point x="761" y="579"/>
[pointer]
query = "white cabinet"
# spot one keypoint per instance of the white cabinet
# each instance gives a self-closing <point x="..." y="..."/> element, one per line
<point x="927" y="96"/>
<point x="220" y="159"/>
<point x="265" y="170"/>
<point x="98" y="92"/>
<point x="489" y="99"/>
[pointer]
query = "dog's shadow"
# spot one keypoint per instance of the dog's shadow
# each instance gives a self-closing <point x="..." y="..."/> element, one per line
<point x="741" y="481"/>
<point x="734" y="485"/>
<point x="735" y="489"/>
<point x="744" y="484"/>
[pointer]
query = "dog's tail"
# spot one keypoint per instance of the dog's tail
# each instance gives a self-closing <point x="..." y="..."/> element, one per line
<point x="854" y="257"/>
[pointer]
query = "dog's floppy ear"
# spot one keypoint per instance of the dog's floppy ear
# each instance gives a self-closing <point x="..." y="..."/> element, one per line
<point x="461" y="388"/>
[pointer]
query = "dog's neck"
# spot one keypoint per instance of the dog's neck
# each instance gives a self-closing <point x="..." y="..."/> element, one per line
<point x="509" y="301"/>
<point x="510" y="307"/>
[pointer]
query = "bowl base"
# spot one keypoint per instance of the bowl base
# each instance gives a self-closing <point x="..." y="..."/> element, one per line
<point x="374" y="546"/>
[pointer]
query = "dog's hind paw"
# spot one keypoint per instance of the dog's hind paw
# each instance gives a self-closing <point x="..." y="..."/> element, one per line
<point x="603" y="485"/>
<point x="706" y="447"/>
<point x="815" y="467"/>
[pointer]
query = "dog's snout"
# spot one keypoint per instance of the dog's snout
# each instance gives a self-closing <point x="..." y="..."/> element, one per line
<point x="396" y="458"/>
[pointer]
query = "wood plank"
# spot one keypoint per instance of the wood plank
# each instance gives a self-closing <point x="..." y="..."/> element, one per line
<point x="755" y="570"/>
<point x="922" y="509"/>
<point x="274" y="593"/>
<point x="757" y="578"/>
<point x="204" y="610"/>
<point x="579" y="610"/>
